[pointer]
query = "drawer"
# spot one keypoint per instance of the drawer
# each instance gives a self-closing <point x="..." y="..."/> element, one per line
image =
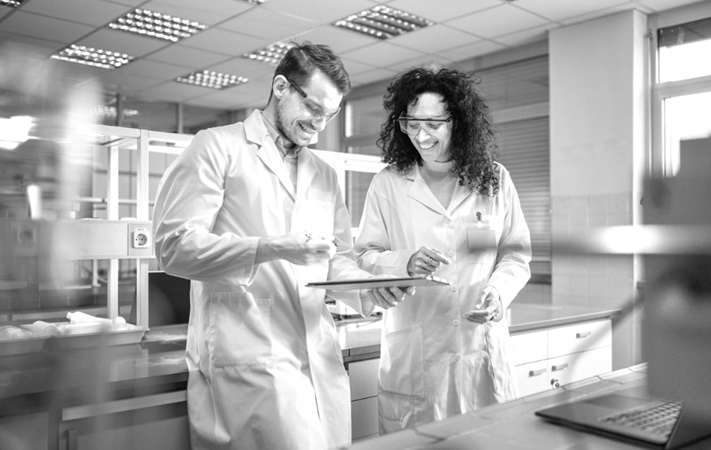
<point x="529" y="347"/>
<point x="578" y="366"/>
<point x="579" y="337"/>
<point x="532" y="377"/>
<point x="363" y="378"/>
<point x="364" y="417"/>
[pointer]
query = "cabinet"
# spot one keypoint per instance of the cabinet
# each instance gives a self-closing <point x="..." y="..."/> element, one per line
<point x="139" y="423"/>
<point x="549" y="358"/>
<point x="364" y="398"/>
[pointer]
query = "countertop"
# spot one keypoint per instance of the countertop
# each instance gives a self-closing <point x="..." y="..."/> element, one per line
<point x="514" y="426"/>
<point x="158" y="361"/>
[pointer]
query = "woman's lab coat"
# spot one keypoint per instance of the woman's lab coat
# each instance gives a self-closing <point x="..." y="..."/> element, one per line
<point x="433" y="362"/>
<point x="266" y="368"/>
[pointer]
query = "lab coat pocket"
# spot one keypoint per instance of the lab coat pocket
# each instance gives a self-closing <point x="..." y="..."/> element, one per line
<point x="402" y="367"/>
<point x="240" y="330"/>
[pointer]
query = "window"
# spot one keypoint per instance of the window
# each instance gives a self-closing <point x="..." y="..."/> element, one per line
<point x="682" y="95"/>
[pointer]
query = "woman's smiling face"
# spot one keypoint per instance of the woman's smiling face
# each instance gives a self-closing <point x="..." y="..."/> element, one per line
<point x="433" y="146"/>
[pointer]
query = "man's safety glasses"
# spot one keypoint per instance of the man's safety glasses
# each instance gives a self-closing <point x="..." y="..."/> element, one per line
<point x="315" y="110"/>
<point x="412" y="125"/>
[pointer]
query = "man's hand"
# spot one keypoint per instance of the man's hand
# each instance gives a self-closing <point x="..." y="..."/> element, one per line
<point x="303" y="249"/>
<point x="488" y="308"/>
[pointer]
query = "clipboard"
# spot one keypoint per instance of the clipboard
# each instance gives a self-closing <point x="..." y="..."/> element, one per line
<point x="374" y="283"/>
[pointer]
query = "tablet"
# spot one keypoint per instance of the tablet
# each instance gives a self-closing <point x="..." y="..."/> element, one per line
<point x="373" y="283"/>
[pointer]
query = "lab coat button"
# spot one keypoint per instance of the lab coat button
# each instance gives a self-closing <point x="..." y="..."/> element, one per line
<point x="448" y="221"/>
<point x="454" y="288"/>
<point x="455" y="322"/>
<point x="450" y="253"/>
<point x="457" y="357"/>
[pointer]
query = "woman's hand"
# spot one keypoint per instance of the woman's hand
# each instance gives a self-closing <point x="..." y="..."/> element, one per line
<point x="488" y="308"/>
<point x="426" y="261"/>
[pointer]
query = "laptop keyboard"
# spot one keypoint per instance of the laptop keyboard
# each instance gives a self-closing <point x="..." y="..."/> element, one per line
<point x="658" y="419"/>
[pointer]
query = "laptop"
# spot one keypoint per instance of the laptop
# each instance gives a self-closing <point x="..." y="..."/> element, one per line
<point x="630" y="415"/>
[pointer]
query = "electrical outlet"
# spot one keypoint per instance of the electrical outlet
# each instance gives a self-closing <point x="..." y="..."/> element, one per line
<point x="141" y="238"/>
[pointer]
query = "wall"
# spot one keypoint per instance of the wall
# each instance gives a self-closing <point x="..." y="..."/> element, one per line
<point x="598" y="142"/>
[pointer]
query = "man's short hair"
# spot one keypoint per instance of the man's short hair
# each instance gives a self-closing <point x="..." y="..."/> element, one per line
<point x="302" y="60"/>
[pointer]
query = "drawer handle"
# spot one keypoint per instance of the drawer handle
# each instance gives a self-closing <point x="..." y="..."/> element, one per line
<point x="535" y="373"/>
<point x="582" y="335"/>
<point x="559" y="367"/>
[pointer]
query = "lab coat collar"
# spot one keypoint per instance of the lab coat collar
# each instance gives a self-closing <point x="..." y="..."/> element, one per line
<point x="420" y="192"/>
<point x="256" y="131"/>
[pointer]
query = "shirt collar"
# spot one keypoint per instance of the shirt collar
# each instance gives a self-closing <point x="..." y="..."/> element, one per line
<point x="278" y="140"/>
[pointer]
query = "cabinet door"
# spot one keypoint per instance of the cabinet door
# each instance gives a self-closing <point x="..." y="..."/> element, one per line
<point x="579" y="337"/>
<point x="363" y="377"/>
<point x="127" y="424"/>
<point x="529" y="347"/>
<point x="578" y="366"/>
<point x="24" y="432"/>
<point x="532" y="377"/>
<point x="364" y="418"/>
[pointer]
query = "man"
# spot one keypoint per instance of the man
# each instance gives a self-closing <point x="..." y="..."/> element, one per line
<point x="251" y="215"/>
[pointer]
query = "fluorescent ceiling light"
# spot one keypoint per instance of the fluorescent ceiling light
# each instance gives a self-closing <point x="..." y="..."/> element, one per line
<point x="11" y="3"/>
<point x="214" y="80"/>
<point x="383" y="22"/>
<point x="93" y="57"/>
<point x="156" y="25"/>
<point x="271" y="54"/>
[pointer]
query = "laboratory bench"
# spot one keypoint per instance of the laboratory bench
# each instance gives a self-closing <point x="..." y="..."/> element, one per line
<point x="134" y="396"/>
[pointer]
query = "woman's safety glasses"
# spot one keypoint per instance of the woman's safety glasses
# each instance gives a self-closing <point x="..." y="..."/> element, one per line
<point x="412" y="125"/>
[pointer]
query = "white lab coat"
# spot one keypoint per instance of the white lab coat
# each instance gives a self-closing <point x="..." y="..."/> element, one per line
<point x="433" y="363"/>
<point x="266" y="369"/>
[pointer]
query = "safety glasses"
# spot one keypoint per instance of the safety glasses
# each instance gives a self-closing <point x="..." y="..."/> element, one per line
<point x="315" y="110"/>
<point x="412" y="125"/>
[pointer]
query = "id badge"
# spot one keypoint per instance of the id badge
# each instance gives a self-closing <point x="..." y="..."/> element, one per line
<point x="481" y="234"/>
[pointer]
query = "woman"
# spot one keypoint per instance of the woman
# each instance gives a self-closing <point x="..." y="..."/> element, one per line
<point x="443" y="206"/>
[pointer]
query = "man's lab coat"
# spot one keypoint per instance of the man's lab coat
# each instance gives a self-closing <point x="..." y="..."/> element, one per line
<point x="433" y="362"/>
<point x="266" y="368"/>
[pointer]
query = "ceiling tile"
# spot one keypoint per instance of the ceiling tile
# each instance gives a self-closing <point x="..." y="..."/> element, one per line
<point x="434" y="39"/>
<point x="472" y="50"/>
<point x="443" y="10"/>
<point x="181" y="55"/>
<point x="266" y="24"/>
<point x="354" y="67"/>
<point x="95" y="12"/>
<point x="373" y="76"/>
<point x="153" y="69"/>
<point x="504" y="19"/>
<point x="339" y="39"/>
<point x="42" y="27"/>
<point x="382" y="54"/>
<point x="222" y="41"/>
<point x="244" y="67"/>
<point x="556" y="10"/>
<point x="525" y="37"/>
<point x="318" y="11"/>
<point x="122" y="42"/>
<point x="34" y="45"/>
<point x="209" y="12"/>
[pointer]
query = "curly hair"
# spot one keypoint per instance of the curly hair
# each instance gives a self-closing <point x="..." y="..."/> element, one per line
<point x="473" y="147"/>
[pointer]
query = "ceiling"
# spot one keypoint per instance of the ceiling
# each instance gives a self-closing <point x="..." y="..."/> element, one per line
<point x="462" y="29"/>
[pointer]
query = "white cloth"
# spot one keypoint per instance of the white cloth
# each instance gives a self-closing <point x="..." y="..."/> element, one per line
<point x="435" y="364"/>
<point x="266" y="369"/>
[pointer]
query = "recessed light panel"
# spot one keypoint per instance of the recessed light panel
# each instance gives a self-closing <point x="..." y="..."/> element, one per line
<point x="11" y="3"/>
<point x="271" y="54"/>
<point x="383" y="22"/>
<point x="93" y="57"/>
<point x="214" y="80"/>
<point x="156" y="25"/>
